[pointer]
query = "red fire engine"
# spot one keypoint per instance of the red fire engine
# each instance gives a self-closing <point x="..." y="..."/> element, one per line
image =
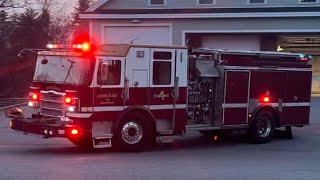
<point x="129" y="96"/>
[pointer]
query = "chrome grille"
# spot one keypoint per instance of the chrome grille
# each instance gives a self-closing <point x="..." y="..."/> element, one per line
<point x="51" y="104"/>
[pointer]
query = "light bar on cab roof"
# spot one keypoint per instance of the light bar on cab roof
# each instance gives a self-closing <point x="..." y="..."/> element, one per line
<point x="59" y="53"/>
<point x="85" y="46"/>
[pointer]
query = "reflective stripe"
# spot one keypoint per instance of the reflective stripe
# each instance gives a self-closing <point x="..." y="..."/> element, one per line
<point x="78" y="115"/>
<point x="244" y="105"/>
<point x="301" y="104"/>
<point x="120" y="108"/>
<point x="177" y="106"/>
<point x="297" y="104"/>
<point x="235" y="105"/>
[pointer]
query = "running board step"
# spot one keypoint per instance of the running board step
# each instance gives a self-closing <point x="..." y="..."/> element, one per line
<point x="166" y="139"/>
<point x="103" y="141"/>
<point x="166" y="136"/>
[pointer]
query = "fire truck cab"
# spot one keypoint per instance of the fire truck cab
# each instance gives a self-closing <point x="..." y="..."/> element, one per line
<point x="129" y="96"/>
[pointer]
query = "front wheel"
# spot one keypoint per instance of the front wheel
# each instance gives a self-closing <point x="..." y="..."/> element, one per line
<point x="134" y="133"/>
<point x="262" y="127"/>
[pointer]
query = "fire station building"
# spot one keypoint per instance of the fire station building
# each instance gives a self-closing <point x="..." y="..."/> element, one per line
<point x="268" y="25"/>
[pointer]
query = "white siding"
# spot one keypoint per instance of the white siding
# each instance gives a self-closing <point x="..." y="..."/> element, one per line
<point x="136" y="35"/>
<point x="142" y="4"/>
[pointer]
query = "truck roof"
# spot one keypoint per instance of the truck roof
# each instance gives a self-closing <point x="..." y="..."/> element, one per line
<point x="123" y="49"/>
<point x="254" y="58"/>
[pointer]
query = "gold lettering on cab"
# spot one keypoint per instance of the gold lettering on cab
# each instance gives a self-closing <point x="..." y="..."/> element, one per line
<point x="111" y="95"/>
<point x="161" y="95"/>
<point x="107" y="99"/>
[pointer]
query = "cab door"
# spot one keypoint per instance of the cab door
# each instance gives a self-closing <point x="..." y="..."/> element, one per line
<point x="162" y="84"/>
<point x="109" y="84"/>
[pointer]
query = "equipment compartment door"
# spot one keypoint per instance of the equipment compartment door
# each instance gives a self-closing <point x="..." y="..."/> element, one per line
<point x="296" y="107"/>
<point x="137" y="77"/>
<point x="235" y="106"/>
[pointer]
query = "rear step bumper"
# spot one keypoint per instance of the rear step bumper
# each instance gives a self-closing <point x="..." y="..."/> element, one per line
<point x="47" y="127"/>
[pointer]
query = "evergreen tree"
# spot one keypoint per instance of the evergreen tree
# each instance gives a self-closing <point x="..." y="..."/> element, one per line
<point x="80" y="27"/>
<point x="4" y="31"/>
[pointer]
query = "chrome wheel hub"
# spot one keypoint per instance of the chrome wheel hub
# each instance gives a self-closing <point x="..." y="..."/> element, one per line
<point x="264" y="127"/>
<point x="131" y="132"/>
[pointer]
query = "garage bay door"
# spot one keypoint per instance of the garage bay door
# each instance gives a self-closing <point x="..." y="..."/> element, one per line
<point x="159" y="35"/>
<point x="234" y="42"/>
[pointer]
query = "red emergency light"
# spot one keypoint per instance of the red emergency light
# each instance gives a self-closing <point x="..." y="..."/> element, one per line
<point x="84" y="46"/>
<point x="265" y="99"/>
<point x="68" y="100"/>
<point x="34" y="96"/>
<point x="74" y="131"/>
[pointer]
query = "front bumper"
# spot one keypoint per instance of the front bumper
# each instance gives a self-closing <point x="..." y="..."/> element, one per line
<point x="47" y="127"/>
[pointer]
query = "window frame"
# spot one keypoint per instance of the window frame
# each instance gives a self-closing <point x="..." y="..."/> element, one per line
<point x="199" y="4"/>
<point x="250" y="3"/>
<point x="316" y="2"/>
<point x="162" y="61"/>
<point x="100" y="60"/>
<point x="164" y="3"/>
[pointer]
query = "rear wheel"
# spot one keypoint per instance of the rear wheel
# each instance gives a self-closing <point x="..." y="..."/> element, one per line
<point x="262" y="127"/>
<point x="134" y="133"/>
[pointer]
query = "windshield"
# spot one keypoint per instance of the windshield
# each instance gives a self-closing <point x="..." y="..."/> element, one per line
<point x="64" y="69"/>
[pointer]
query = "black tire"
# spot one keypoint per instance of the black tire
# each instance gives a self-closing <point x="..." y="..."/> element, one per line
<point x="134" y="133"/>
<point x="262" y="128"/>
<point x="83" y="142"/>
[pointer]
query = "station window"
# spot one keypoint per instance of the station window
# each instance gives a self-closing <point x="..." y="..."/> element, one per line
<point x="157" y="2"/>
<point x="257" y="1"/>
<point x="206" y="2"/>
<point x="109" y="73"/>
<point x="161" y="73"/>
<point x="162" y="55"/>
<point x="308" y="1"/>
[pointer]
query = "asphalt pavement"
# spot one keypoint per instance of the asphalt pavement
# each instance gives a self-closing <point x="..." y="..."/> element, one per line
<point x="189" y="157"/>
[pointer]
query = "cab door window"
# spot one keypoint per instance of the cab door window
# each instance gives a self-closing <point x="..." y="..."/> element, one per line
<point x="162" y="66"/>
<point x="109" y="73"/>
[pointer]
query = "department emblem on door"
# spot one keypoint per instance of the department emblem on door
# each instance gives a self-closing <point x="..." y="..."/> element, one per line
<point x="161" y="95"/>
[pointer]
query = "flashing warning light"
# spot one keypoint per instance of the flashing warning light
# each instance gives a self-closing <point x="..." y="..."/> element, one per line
<point x="85" y="46"/>
<point x="265" y="99"/>
<point x="68" y="100"/>
<point x="35" y="96"/>
<point x="74" y="131"/>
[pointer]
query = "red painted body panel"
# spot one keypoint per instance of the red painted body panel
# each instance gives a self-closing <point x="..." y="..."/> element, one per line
<point x="108" y="97"/>
<point x="237" y="86"/>
<point x="235" y="116"/>
<point x="264" y="81"/>
<point x="299" y="86"/>
<point x="296" y="115"/>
